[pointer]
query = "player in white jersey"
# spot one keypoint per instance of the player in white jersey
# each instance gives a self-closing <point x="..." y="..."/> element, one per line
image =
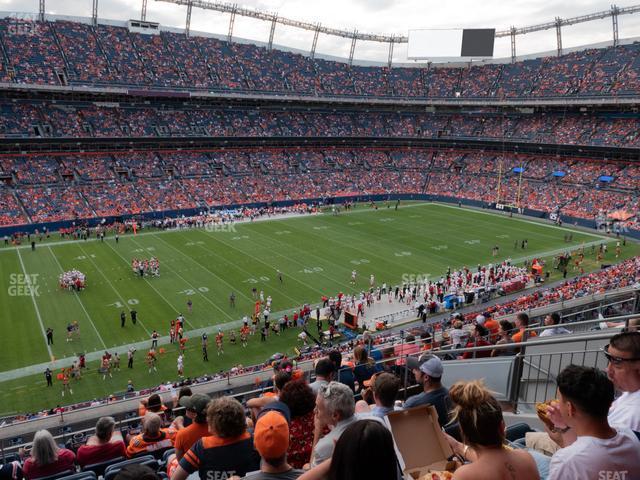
<point x="372" y="281"/>
<point x="180" y="365"/>
<point x="353" y="277"/>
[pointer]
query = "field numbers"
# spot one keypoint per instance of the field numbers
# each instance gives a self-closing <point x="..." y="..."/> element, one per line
<point x="353" y="224"/>
<point x="141" y="250"/>
<point x="361" y="261"/>
<point x="472" y="242"/>
<point x="312" y="270"/>
<point x="193" y="244"/>
<point x="240" y="237"/>
<point x="502" y="236"/>
<point x="131" y="301"/>
<point x="322" y="227"/>
<point x="256" y="280"/>
<point x="439" y="247"/>
<point x="282" y="232"/>
<point x="402" y="254"/>
<point x="190" y="292"/>
<point x="387" y="219"/>
<point x="84" y="257"/>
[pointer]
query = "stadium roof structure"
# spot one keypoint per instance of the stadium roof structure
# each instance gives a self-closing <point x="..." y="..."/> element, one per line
<point x="274" y="18"/>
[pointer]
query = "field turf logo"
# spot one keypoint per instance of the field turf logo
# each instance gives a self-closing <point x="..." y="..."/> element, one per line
<point x="21" y="285"/>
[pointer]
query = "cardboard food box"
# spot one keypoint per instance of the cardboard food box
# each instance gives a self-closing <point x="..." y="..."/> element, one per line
<point x="420" y="442"/>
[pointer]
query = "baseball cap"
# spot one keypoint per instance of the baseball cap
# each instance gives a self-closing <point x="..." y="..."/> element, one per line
<point x="271" y="435"/>
<point x="427" y="364"/>
<point x="197" y="402"/>
<point x="480" y="319"/>
<point x="279" y="407"/>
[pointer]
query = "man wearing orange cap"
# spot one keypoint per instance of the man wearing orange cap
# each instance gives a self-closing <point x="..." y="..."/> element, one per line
<point x="271" y="439"/>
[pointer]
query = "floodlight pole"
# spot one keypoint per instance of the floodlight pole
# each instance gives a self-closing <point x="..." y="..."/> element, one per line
<point x="559" y="34"/>
<point x="94" y="13"/>
<point x="273" y="30"/>
<point x="614" y="20"/>
<point x="232" y="20"/>
<point x="391" y="51"/>
<point x="187" y="27"/>
<point x="513" y="44"/>
<point x="353" y="46"/>
<point x="143" y="12"/>
<point x="41" y="11"/>
<point x="315" y="41"/>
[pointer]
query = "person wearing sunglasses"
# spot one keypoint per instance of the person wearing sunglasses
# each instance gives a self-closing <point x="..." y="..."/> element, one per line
<point x="585" y="395"/>
<point x="623" y="369"/>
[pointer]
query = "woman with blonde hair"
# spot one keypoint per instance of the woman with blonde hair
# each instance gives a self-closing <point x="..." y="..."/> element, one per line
<point x="47" y="458"/>
<point x="483" y="430"/>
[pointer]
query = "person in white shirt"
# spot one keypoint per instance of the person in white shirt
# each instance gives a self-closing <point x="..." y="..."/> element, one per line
<point x="623" y="354"/>
<point x="551" y="320"/>
<point x="585" y="395"/>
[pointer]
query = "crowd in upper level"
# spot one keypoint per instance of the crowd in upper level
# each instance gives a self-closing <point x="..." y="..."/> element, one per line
<point x="61" y="52"/>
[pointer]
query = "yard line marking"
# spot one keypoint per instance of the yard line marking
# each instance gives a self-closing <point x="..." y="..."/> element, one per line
<point x="322" y="259"/>
<point x="233" y="289"/>
<point x="271" y="268"/>
<point x="75" y="294"/>
<point x="188" y="283"/>
<point x="124" y="302"/>
<point x="35" y="305"/>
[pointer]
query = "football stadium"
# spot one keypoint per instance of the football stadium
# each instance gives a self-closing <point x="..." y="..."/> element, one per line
<point x="262" y="241"/>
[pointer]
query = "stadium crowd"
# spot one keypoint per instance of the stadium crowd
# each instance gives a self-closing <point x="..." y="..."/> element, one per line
<point x="68" y="187"/>
<point x="63" y="52"/>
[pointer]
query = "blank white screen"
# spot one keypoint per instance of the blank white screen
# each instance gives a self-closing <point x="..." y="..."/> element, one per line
<point x="434" y="43"/>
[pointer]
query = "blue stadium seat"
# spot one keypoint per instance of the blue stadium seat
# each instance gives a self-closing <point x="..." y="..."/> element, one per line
<point x="99" y="468"/>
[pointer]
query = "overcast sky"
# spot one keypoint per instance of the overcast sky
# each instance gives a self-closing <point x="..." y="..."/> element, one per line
<point x="371" y="16"/>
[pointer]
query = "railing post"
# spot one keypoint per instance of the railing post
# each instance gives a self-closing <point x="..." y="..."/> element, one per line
<point x="516" y="381"/>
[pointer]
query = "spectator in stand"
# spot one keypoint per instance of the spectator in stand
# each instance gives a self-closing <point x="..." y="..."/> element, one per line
<point x="271" y="439"/>
<point x="504" y="338"/>
<point x="152" y="404"/>
<point x="623" y="354"/>
<point x="428" y="373"/>
<point x="335" y="409"/>
<point x="47" y="458"/>
<point x="228" y="451"/>
<point x="522" y="323"/>
<point x="301" y="400"/>
<point x="584" y="399"/>
<point x="483" y="430"/>
<point x="384" y="391"/>
<point x="364" y="451"/>
<point x="343" y="372"/>
<point x="137" y="472"/>
<point x="365" y="366"/>
<point x="153" y="437"/>
<point x="105" y="445"/>
<point x="490" y="324"/>
<point x="324" y="374"/>
<point x="553" y="321"/>
<point x="480" y="334"/>
<point x="11" y="471"/>
<point x="196" y="410"/>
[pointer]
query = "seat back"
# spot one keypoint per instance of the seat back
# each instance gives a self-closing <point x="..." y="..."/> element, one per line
<point x="99" y="468"/>
<point x="81" y="476"/>
<point x="66" y="473"/>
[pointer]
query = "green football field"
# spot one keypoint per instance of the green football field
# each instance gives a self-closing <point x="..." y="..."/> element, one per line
<point x="315" y="254"/>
